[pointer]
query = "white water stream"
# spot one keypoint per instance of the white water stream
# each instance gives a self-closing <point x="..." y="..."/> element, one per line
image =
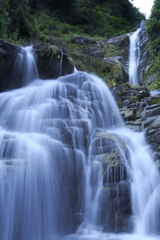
<point x="25" y="66"/>
<point x="61" y="61"/>
<point x="134" y="56"/>
<point x="54" y="136"/>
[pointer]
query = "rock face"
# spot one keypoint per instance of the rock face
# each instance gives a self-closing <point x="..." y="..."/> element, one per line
<point x="49" y="61"/>
<point x="123" y="43"/>
<point x="107" y="58"/>
<point x="144" y="55"/>
<point x="8" y="55"/>
<point x="115" y="204"/>
<point x="141" y="112"/>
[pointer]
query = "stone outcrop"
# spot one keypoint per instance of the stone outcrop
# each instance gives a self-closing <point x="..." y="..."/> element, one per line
<point x="141" y="112"/>
<point x="116" y="184"/>
<point x="8" y="55"/>
<point x="107" y="58"/>
<point x="144" y="55"/>
<point x="48" y="58"/>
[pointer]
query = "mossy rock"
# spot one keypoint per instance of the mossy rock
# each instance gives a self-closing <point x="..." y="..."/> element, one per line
<point x="119" y="103"/>
<point x="46" y="51"/>
<point x="156" y="100"/>
<point x="125" y="86"/>
<point x="115" y="138"/>
<point x="154" y="85"/>
<point x="133" y="99"/>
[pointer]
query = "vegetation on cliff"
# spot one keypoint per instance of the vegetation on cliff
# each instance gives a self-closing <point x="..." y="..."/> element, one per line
<point x="105" y="18"/>
<point x="153" y="26"/>
<point x="153" y="31"/>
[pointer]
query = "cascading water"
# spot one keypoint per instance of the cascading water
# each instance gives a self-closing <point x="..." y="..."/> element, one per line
<point x="61" y="61"/>
<point x="67" y="162"/>
<point x="45" y="135"/>
<point x="134" y="56"/>
<point x="25" y="66"/>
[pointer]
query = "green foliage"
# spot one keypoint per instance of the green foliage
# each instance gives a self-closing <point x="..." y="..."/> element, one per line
<point x="153" y="26"/>
<point x="155" y="69"/>
<point x="119" y="103"/>
<point x="4" y="20"/>
<point x="135" y="92"/>
<point x="155" y="84"/>
<point x="25" y="18"/>
<point x="43" y="38"/>
<point x="156" y="101"/>
<point x="125" y="87"/>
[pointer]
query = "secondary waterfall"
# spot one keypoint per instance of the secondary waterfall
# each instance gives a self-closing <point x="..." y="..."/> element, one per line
<point x="25" y="66"/>
<point x="68" y="165"/>
<point x="61" y="61"/>
<point x="134" y="56"/>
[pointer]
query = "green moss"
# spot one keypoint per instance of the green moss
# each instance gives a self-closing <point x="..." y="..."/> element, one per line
<point x="43" y="38"/>
<point x="111" y="51"/>
<point x="154" y="85"/>
<point x="50" y="51"/>
<point x="135" y="92"/>
<point x="125" y="86"/>
<point x="156" y="101"/>
<point x="133" y="99"/>
<point x="71" y="61"/>
<point x="119" y="103"/>
<point x="124" y="92"/>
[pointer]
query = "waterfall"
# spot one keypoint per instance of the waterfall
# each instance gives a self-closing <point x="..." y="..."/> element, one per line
<point x="134" y="56"/>
<point x="61" y="61"/>
<point x="69" y="169"/>
<point x="45" y="135"/>
<point x="25" y="69"/>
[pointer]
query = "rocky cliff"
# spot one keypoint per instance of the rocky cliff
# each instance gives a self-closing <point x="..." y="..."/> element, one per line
<point x="140" y="110"/>
<point x="106" y="57"/>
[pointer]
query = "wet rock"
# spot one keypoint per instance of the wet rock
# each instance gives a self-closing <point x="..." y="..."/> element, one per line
<point x="8" y="55"/>
<point x="143" y="93"/>
<point x="128" y="114"/>
<point x="116" y="186"/>
<point x="121" y="40"/>
<point x="148" y="122"/>
<point x="144" y="56"/>
<point x="83" y="40"/>
<point x="153" y="110"/>
<point x="62" y="45"/>
<point x="49" y="60"/>
<point x="151" y="79"/>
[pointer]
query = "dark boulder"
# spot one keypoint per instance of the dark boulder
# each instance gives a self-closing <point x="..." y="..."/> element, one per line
<point x="8" y="55"/>
<point x="49" y="59"/>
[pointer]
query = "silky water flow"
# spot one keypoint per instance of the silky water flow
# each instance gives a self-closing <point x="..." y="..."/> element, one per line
<point x="67" y="163"/>
<point x="134" y="55"/>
